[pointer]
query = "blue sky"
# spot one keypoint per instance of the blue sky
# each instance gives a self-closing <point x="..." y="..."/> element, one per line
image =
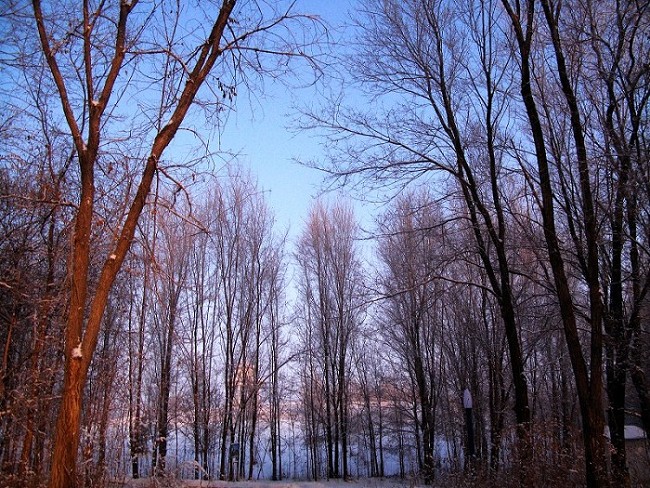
<point x="262" y="133"/>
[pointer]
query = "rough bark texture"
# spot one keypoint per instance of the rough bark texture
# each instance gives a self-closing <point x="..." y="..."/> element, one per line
<point x="86" y="310"/>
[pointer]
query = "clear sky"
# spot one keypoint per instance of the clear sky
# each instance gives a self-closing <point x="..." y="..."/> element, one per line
<point x="262" y="133"/>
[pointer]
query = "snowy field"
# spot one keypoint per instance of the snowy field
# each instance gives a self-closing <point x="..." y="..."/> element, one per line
<point x="361" y="483"/>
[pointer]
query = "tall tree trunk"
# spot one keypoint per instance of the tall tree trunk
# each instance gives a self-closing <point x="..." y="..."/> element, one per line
<point x="595" y="388"/>
<point x="275" y="414"/>
<point x="425" y="421"/>
<point x="590" y="391"/>
<point x="66" y="441"/>
<point x="86" y="309"/>
<point x="229" y="394"/>
<point x="254" y="408"/>
<point x="380" y="404"/>
<point x="161" y="441"/>
<point x="136" y="369"/>
<point x="482" y="218"/>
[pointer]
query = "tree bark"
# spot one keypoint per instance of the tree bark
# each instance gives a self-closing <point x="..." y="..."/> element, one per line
<point x="63" y="473"/>
<point x="590" y="391"/>
<point x="82" y="330"/>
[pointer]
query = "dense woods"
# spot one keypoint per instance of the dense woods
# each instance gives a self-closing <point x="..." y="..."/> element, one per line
<point x="156" y="321"/>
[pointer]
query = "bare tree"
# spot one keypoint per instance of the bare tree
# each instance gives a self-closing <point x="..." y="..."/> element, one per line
<point x="588" y="375"/>
<point x="276" y="351"/>
<point x="171" y="254"/>
<point x="411" y="323"/>
<point x="100" y="58"/>
<point x="330" y="285"/>
<point x="442" y="80"/>
<point x="246" y="275"/>
<point x="615" y="143"/>
<point x="449" y="122"/>
<point x="370" y="383"/>
<point x="138" y="283"/>
<point x="34" y="217"/>
<point x="575" y="167"/>
<point x="104" y="380"/>
<point x="201" y="352"/>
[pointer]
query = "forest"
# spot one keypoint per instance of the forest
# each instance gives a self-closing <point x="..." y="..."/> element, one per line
<point x="491" y="327"/>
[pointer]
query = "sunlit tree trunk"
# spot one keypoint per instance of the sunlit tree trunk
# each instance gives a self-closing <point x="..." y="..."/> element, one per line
<point x="86" y="307"/>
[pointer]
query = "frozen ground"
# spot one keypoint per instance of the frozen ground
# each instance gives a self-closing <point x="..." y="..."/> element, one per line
<point x="361" y="483"/>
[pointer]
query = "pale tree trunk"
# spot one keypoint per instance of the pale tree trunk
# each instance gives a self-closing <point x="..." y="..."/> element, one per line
<point x="136" y="370"/>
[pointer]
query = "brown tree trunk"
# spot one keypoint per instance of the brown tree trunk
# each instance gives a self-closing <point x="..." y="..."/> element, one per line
<point x="590" y="390"/>
<point x="63" y="473"/>
<point x="426" y="424"/>
<point x="82" y="332"/>
<point x="595" y="387"/>
<point x="498" y="272"/>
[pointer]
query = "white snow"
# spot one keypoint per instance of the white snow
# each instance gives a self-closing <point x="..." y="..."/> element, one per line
<point x="631" y="432"/>
<point x="76" y="352"/>
<point x="360" y="483"/>
<point x="467" y="399"/>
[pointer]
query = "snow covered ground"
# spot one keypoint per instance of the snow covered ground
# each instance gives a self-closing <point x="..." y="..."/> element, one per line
<point x="361" y="483"/>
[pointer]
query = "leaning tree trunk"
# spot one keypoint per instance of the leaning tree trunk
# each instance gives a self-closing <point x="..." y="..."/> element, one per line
<point x="588" y="380"/>
<point x="86" y="309"/>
